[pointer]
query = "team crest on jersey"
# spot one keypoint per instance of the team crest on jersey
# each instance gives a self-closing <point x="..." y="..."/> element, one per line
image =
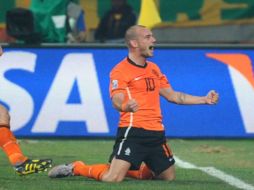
<point x="114" y="84"/>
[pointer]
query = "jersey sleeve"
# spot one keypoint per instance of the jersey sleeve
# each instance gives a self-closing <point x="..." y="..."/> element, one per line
<point x="118" y="83"/>
<point x="164" y="83"/>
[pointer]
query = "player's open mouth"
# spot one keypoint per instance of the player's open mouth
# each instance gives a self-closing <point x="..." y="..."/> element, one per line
<point x="151" y="47"/>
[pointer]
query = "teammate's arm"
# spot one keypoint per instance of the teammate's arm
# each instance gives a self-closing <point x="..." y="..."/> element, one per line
<point x="118" y="103"/>
<point x="212" y="97"/>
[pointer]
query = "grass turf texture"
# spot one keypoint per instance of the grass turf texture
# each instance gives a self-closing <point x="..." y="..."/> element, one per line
<point x="235" y="157"/>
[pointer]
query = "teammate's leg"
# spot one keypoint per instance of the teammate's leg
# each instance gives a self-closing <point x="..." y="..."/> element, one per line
<point x="9" y="144"/>
<point x="7" y="140"/>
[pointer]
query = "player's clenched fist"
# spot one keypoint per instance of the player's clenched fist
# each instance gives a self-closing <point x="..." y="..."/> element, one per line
<point x="130" y="106"/>
<point x="212" y="97"/>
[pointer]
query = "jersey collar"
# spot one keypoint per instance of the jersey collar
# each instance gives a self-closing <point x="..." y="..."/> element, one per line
<point x="133" y="63"/>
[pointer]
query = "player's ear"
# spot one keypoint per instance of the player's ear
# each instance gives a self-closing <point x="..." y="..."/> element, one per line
<point x="133" y="43"/>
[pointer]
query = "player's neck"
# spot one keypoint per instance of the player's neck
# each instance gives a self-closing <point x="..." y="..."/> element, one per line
<point x="138" y="60"/>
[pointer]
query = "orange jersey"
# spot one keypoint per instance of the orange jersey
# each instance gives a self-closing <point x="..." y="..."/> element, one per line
<point x="141" y="83"/>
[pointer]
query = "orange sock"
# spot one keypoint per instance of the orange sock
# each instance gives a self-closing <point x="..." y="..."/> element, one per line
<point x="92" y="171"/>
<point x="9" y="145"/>
<point x="143" y="173"/>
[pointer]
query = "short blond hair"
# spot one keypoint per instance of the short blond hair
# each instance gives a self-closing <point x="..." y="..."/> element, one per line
<point x="131" y="33"/>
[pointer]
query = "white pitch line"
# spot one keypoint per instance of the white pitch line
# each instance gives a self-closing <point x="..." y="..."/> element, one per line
<point x="231" y="180"/>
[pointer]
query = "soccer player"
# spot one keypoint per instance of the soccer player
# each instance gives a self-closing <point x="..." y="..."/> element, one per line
<point x="22" y="165"/>
<point x="135" y="89"/>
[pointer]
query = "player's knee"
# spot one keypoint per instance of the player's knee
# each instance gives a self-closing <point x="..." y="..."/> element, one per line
<point x="170" y="177"/>
<point x="4" y="116"/>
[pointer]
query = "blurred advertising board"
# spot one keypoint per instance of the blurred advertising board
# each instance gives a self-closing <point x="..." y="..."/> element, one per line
<point x="63" y="92"/>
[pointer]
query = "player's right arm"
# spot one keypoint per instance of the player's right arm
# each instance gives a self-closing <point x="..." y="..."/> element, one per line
<point x="118" y="102"/>
<point x="117" y="89"/>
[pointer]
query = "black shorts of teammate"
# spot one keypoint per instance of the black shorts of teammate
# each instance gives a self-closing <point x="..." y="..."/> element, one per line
<point x="137" y="145"/>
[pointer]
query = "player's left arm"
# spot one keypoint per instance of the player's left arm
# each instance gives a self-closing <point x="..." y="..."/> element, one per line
<point x="212" y="97"/>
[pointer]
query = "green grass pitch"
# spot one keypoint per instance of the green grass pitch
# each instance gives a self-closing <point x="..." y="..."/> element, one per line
<point x="234" y="157"/>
